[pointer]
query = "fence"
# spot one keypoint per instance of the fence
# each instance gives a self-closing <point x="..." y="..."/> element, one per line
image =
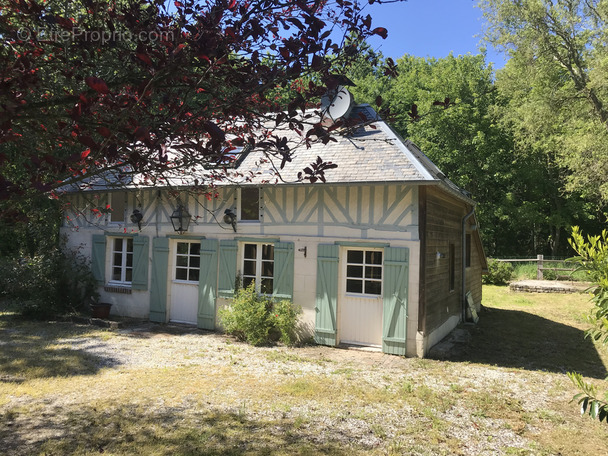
<point x="540" y="265"/>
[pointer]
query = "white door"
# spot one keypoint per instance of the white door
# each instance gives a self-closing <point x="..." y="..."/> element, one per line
<point x="360" y="303"/>
<point x="184" y="287"/>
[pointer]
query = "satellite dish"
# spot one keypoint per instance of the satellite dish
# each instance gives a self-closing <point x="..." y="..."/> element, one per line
<point x="337" y="103"/>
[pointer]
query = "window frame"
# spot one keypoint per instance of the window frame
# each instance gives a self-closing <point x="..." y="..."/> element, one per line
<point x="124" y="254"/>
<point x="452" y="267"/>
<point x="259" y="260"/>
<point x="240" y="205"/>
<point x="114" y="197"/>
<point x="362" y="278"/>
<point x="189" y="256"/>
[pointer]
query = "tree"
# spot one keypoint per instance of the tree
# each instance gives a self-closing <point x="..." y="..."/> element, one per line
<point x="450" y="108"/>
<point x="158" y="88"/>
<point x="558" y="64"/>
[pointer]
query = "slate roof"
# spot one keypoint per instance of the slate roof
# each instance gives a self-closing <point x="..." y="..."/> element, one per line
<point x="373" y="153"/>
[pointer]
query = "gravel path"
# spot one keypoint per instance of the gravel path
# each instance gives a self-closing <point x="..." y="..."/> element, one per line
<point x="154" y="348"/>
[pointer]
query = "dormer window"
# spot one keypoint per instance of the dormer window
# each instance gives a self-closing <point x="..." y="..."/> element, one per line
<point x="231" y="158"/>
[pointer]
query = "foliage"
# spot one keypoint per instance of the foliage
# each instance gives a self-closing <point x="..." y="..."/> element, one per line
<point x="256" y="318"/>
<point x="56" y="282"/>
<point x="555" y="89"/>
<point x="499" y="273"/>
<point x="155" y="89"/>
<point x="592" y="257"/>
<point x="588" y="400"/>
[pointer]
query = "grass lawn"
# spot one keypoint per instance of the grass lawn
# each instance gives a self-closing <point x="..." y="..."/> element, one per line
<point x="73" y="389"/>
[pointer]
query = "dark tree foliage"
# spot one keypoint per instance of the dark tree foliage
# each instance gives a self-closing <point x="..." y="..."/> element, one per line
<point x="158" y="88"/>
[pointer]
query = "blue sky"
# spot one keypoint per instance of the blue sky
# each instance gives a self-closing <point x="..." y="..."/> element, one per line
<point x="430" y="28"/>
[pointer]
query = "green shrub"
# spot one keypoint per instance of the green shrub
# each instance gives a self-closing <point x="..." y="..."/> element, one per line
<point x="256" y="319"/>
<point x="56" y="282"/>
<point x="499" y="273"/>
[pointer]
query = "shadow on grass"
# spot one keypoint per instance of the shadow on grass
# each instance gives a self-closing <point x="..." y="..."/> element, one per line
<point x="34" y="349"/>
<point x="512" y="338"/>
<point x="184" y="430"/>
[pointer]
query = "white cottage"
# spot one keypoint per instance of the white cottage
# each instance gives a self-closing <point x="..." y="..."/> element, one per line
<point x="383" y="254"/>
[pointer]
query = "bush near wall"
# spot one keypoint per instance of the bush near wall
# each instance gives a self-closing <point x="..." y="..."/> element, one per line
<point x="258" y="320"/>
<point x="499" y="273"/>
<point x="56" y="282"/>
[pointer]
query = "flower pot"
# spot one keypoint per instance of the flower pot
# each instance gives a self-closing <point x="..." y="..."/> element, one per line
<point x="101" y="310"/>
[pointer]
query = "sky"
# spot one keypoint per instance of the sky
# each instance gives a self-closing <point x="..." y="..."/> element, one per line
<point x="430" y="28"/>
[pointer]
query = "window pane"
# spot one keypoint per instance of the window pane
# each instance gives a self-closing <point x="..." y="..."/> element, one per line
<point x="247" y="281"/>
<point x="181" y="261"/>
<point x="118" y="206"/>
<point x="354" y="271"/>
<point x="195" y="262"/>
<point x="354" y="256"/>
<point x="266" y="286"/>
<point x="373" y="257"/>
<point x="117" y="259"/>
<point x="118" y="245"/>
<point x="250" y="205"/>
<point x="193" y="276"/>
<point x="129" y="260"/>
<point x="249" y="268"/>
<point x="374" y="288"/>
<point x="267" y="268"/>
<point x="181" y="274"/>
<point x="129" y="275"/>
<point x="373" y="272"/>
<point x="251" y="251"/>
<point x="268" y="252"/>
<point x="195" y="248"/>
<point x="182" y="248"/>
<point x="354" y="286"/>
<point x="130" y="245"/>
<point x="116" y="273"/>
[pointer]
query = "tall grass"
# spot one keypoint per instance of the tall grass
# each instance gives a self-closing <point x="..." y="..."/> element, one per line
<point x="527" y="271"/>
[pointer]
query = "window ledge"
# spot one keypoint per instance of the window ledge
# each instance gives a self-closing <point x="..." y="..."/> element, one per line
<point x="117" y="289"/>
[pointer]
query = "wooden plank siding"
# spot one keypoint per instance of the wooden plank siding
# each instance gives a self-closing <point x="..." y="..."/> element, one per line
<point x="443" y="224"/>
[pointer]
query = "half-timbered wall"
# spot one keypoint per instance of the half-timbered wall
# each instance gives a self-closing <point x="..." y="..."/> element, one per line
<point x="305" y="215"/>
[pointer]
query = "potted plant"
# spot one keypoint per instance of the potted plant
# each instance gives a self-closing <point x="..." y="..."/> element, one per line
<point x="100" y="309"/>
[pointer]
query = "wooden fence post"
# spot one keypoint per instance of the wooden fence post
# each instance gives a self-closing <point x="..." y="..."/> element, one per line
<point x="539" y="267"/>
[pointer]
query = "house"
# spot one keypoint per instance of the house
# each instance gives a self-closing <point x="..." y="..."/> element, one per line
<point x="382" y="254"/>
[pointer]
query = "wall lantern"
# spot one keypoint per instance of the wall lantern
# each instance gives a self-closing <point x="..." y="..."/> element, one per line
<point x="136" y="217"/>
<point x="230" y="218"/>
<point x="180" y="219"/>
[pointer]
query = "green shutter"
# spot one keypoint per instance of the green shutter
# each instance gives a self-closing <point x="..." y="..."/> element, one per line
<point x="394" y="318"/>
<point x="327" y="294"/>
<point x="158" y="288"/>
<point x="140" y="263"/>
<point x="98" y="258"/>
<point x="283" y="270"/>
<point x="207" y="284"/>
<point x="227" y="268"/>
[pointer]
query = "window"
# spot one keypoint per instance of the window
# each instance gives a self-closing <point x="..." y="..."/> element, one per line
<point x="364" y="272"/>
<point x="230" y="158"/>
<point x="188" y="261"/>
<point x="250" y="204"/>
<point x="118" y="206"/>
<point x="258" y="266"/>
<point x="452" y="268"/>
<point x="122" y="260"/>
<point x="468" y="251"/>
